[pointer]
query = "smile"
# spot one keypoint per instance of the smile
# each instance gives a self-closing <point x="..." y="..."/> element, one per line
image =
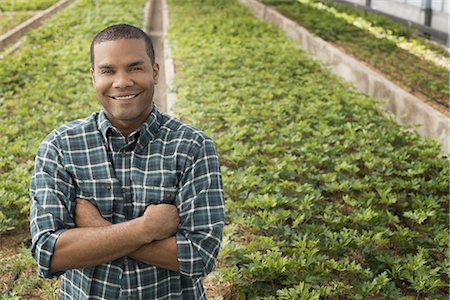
<point x="127" y="97"/>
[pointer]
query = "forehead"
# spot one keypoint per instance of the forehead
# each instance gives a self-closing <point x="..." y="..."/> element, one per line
<point x="120" y="51"/>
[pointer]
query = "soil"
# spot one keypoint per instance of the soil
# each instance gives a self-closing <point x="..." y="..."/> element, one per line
<point x="226" y="290"/>
<point x="11" y="242"/>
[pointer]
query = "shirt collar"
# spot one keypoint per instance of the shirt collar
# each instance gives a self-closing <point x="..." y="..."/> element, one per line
<point x="148" y="129"/>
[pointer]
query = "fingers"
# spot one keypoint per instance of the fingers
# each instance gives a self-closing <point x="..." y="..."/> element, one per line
<point x="162" y="220"/>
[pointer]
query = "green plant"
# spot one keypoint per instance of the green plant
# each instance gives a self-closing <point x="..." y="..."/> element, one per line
<point x="55" y="87"/>
<point x="393" y="49"/>
<point x="10" y="20"/>
<point x="23" y="5"/>
<point x="326" y="196"/>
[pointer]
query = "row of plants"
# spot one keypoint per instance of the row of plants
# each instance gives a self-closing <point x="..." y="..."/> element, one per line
<point x="327" y="197"/>
<point x="45" y="84"/>
<point x="25" y="5"/>
<point x="14" y="12"/>
<point x="393" y="49"/>
<point x="406" y="37"/>
<point x="9" y="20"/>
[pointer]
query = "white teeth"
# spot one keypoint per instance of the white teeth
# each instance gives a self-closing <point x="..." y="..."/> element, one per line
<point x="125" y="97"/>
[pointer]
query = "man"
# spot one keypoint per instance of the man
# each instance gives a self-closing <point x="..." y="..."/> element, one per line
<point x="128" y="202"/>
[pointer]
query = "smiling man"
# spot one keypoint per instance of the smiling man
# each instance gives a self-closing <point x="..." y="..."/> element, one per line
<point x="128" y="202"/>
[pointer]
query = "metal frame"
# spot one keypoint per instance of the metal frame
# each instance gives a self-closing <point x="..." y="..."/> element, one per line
<point x="438" y="35"/>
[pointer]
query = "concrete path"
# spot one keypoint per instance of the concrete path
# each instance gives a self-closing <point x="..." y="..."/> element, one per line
<point x="154" y="28"/>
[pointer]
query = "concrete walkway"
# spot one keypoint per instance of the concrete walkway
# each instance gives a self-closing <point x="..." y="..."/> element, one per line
<point x="155" y="29"/>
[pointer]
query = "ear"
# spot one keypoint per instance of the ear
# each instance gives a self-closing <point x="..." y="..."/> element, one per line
<point x="155" y="73"/>
<point x="92" y="76"/>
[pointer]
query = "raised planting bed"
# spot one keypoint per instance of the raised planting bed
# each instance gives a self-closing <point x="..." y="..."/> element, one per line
<point x="9" y="20"/>
<point x="326" y="196"/>
<point x="395" y="50"/>
<point x="14" y="12"/>
<point x="25" y="5"/>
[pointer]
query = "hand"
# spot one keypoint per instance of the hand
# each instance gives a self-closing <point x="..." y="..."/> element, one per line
<point x="161" y="221"/>
<point x="87" y="215"/>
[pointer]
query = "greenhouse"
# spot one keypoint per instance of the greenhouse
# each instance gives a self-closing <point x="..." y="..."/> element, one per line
<point x="330" y="120"/>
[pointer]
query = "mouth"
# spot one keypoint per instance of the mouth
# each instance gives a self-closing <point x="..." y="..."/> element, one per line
<point x="125" y="97"/>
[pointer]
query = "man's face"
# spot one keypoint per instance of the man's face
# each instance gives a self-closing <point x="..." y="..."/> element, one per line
<point x="124" y="79"/>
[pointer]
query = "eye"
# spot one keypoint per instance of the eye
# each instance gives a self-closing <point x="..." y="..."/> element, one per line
<point x="137" y="68"/>
<point x="106" y="71"/>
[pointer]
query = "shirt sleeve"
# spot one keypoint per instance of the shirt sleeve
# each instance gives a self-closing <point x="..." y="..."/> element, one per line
<point x="51" y="212"/>
<point x="201" y="206"/>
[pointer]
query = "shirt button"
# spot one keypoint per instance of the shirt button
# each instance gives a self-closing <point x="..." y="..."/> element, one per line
<point x="108" y="186"/>
<point x="123" y="189"/>
<point x="125" y="261"/>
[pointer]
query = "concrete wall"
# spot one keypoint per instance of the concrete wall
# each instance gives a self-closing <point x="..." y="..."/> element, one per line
<point x="440" y="21"/>
<point x="406" y="108"/>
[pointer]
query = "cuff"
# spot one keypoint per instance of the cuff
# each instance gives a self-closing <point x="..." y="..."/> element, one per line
<point x="190" y="262"/>
<point x="44" y="252"/>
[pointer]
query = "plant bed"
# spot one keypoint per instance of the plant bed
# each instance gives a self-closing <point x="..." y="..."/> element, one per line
<point x="326" y="196"/>
<point x="394" y="50"/>
<point x="25" y="5"/>
<point x="9" y="20"/>
<point x="36" y="96"/>
<point x="14" y="12"/>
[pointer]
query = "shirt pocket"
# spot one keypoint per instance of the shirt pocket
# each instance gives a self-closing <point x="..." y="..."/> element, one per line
<point x="152" y="195"/>
<point x="101" y="193"/>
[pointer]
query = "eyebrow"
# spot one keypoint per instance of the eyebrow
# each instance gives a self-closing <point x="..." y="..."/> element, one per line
<point x="136" y="63"/>
<point x="130" y="65"/>
<point x="105" y="66"/>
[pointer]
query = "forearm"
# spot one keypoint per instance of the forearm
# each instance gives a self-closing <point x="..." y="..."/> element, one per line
<point x="161" y="253"/>
<point x="90" y="246"/>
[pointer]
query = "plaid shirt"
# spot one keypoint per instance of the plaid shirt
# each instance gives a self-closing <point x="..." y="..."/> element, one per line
<point x="165" y="161"/>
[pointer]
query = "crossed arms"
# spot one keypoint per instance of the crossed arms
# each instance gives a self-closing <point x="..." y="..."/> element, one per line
<point x="149" y="238"/>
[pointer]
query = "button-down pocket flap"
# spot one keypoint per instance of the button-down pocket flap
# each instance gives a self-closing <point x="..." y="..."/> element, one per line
<point x="153" y="195"/>
<point x="156" y="195"/>
<point x="101" y="193"/>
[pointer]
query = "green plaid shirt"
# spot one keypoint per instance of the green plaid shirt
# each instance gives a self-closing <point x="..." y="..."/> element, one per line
<point x="165" y="161"/>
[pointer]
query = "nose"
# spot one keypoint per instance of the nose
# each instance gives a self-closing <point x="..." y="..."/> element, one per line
<point x="122" y="80"/>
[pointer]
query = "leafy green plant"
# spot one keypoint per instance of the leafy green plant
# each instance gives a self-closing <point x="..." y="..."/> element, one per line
<point x="22" y="5"/>
<point x="54" y="87"/>
<point x="38" y="95"/>
<point x="393" y="49"/>
<point x="10" y="20"/>
<point x="327" y="197"/>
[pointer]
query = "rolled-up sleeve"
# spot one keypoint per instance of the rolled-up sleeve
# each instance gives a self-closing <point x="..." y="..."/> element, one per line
<point x="51" y="192"/>
<point x="201" y="206"/>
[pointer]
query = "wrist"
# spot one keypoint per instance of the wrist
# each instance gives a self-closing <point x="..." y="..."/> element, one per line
<point x="146" y="231"/>
<point x="102" y="223"/>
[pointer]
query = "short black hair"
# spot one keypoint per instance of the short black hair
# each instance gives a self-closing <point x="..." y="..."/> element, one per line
<point x="123" y="31"/>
